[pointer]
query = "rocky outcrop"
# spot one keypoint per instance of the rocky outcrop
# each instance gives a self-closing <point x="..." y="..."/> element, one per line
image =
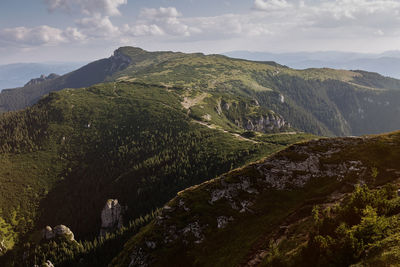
<point x="42" y="78"/>
<point x="290" y="169"/>
<point x="48" y="264"/>
<point x="222" y="221"/>
<point x="3" y="247"/>
<point x="111" y="217"/>
<point x="264" y="123"/>
<point x="59" y="231"/>
<point x="139" y="258"/>
<point x="119" y="61"/>
<point x="45" y="264"/>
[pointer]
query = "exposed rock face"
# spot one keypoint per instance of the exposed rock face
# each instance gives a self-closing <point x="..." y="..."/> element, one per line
<point x="119" y="61"/>
<point x="285" y="172"/>
<point x="58" y="231"/>
<point x="265" y="123"/>
<point x="42" y="78"/>
<point x="111" y="217"/>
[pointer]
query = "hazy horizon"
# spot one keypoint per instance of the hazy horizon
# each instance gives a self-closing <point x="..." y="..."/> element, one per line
<point x="84" y="30"/>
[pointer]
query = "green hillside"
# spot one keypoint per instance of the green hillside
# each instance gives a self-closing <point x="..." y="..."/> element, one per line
<point x="303" y="206"/>
<point x="147" y="125"/>
<point x="64" y="157"/>
<point x="321" y="101"/>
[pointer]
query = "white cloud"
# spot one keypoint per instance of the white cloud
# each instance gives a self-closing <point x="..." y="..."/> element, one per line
<point x="88" y="7"/>
<point x="229" y="25"/>
<point x="271" y="5"/>
<point x="143" y="30"/>
<point x="98" y="26"/>
<point x="268" y="24"/>
<point x="160" y="21"/>
<point x="159" y="13"/>
<point x="37" y="36"/>
<point x="74" y="34"/>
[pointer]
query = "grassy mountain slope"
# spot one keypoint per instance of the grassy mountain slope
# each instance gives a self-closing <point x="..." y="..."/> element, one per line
<point x="166" y="121"/>
<point x="65" y="156"/>
<point x="321" y="101"/>
<point x="262" y="214"/>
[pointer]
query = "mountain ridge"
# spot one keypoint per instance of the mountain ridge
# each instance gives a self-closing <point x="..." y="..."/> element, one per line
<point x="386" y="63"/>
<point x="359" y="100"/>
<point x="232" y="219"/>
<point x="160" y="122"/>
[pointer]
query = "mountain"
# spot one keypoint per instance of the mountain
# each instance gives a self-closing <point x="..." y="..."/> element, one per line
<point x="387" y="63"/>
<point x="65" y="157"/>
<point x="18" y="74"/>
<point x="86" y="168"/>
<point x="325" y="202"/>
<point x="320" y="101"/>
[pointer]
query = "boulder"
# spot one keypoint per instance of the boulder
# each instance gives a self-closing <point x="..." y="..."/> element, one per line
<point x="58" y="231"/>
<point x="48" y="264"/>
<point x="111" y="217"/>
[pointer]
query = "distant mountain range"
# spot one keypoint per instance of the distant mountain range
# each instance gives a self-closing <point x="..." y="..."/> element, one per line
<point x="18" y="74"/>
<point x="387" y="63"/>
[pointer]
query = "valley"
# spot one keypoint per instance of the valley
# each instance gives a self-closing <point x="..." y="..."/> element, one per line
<point x="202" y="160"/>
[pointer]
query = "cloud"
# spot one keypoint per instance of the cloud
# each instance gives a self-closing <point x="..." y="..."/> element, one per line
<point x="143" y="30"/>
<point x="160" y="21"/>
<point x="268" y="24"/>
<point x="229" y="25"/>
<point x="349" y="14"/>
<point x="87" y="7"/>
<point x="38" y="36"/>
<point x="97" y="27"/>
<point x="271" y="5"/>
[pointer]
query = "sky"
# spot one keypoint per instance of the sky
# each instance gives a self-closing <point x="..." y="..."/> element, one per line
<point x="85" y="30"/>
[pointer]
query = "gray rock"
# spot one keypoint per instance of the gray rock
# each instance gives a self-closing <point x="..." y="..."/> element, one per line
<point x="151" y="244"/>
<point x="3" y="247"/>
<point x="265" y="123"/>
<point x="42" y="78"/>
<point x="111" y="217"/>
<point x="119" y="61"/>
<point x="222" y="221"/>
<point x="58" y="231"/>
<point x="48" y="233"/>
<point x="139" y="258"/>
<point x="48" y="264"/>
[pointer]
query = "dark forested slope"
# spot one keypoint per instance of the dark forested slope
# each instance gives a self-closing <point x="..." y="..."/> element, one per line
<point x="63" y="158"/>
<point x="327" y="202"/>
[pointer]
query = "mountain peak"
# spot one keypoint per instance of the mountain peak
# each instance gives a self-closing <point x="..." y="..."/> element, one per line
<point x="130" y="50"/>
<point x="42" y="78"/>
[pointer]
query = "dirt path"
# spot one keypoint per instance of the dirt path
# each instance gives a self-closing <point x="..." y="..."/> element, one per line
<point x="238" y="136"/>
<point x="190" y="102"/>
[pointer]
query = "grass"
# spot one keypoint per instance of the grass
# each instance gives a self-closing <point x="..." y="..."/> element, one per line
<point x="253" y="231"/>
<point x="107" y="141"/>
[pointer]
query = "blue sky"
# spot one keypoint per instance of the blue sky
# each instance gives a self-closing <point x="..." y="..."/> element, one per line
<point x="83" y="30"/>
